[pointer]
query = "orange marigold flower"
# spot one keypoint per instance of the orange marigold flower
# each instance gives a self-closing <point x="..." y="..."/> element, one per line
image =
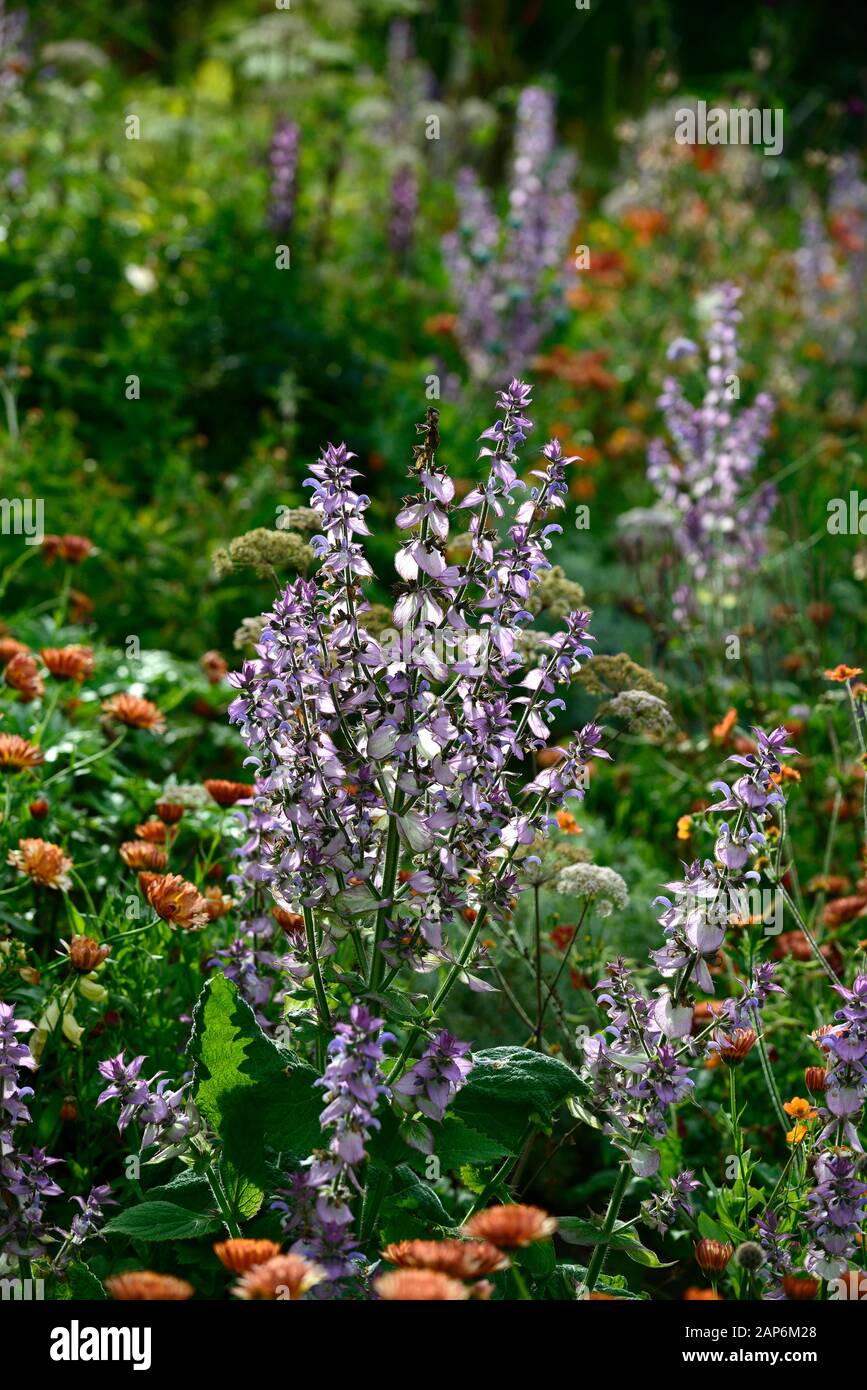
<point x="135" y="713"/>
<point x="169" y="811"/>
<point x="722" y="730"/>
<point x="86" y="954"/>
<point x="285" y="1277"/>
<point x="154" y="831"/>
<point x="226" y="793"/>
<point x="240" y="1254"/>
<point x="74" y="663"/>
<point x="144" y="1286"/>
<point x="22" y="673"/>
<point x="291" y="922"/>
<point x="43" y="862"/>
<point x="10" y="647"/>
<point x="218" y="903"/>
<point x="146" y="877"/>
<point x="16" y="753"/>
<point x="800" y="1286"/>
<point x="176" y="900"/>
<point x="567" y="823"/>
<point x="713" y="1255"/>
<point x="461" y="1259"/>
<point x="515" y="1225"/>
<point x="695" y="1295"/>
<point x="735" y="1046"/>
<point x="215" y="667"/>
<point x="138" y="854"/>
<point x="419" y="1286"/>
<point x="843" y="673"/>
<point x="799" y="1109"/>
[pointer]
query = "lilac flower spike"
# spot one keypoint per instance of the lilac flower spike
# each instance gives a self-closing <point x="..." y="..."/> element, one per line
<point x="437" y="1076"/>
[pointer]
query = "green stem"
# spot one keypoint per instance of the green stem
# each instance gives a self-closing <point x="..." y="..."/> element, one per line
<point x="594" y="1269"/>
<point x="770" y="1082"/>
<point x="318" y="987"/>
<point x="389" y="875"/>
<point x="219" y="1195"/>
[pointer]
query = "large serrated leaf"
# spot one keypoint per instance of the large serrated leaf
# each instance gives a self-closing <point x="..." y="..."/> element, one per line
<point x="507" y="1087"/>
<point x="255" y="1095"/>
<point x="161" y="1221"/>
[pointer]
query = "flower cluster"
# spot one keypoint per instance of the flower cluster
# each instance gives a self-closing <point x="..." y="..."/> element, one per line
<point x="385" y="796"/>
<point x="435" y="1079"/>
<point x="283" y="163"/>
<point x="719" y="516"/>
<point x="170" y="1121"/>
<point x="317" y="1205"/>
<point x="506" y="274"/>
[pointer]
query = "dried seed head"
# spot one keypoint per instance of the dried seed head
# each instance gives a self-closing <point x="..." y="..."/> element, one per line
<point x="750" y="1255"/>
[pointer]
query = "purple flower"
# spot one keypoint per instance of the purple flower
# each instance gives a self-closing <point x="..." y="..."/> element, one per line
<point x="283" y="162"/>
<point x="435" y="1079"/>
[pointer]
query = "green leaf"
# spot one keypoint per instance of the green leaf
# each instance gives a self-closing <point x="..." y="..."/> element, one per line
<point x="624" y="1238"/>
<point x="161" y="1221"/>
<point x="507" y="1087"/>
<point x="255" y="1094"/>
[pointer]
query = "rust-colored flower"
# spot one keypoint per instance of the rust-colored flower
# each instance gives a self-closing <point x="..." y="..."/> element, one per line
<point x="147" y="877"/>
<point x="39" y="808"/>
<point x="286" y="1277"/>
<point x="843" y="910"/>
<point x="9" y="647"/>
<point x="800" y="1286"/>
<point x="177" y="901"/>
<point x="16" y="753"/>
<point x="815" y="1080"/>
<point x="139" y="854"/>
<point x="461" y="1259"/>
<point x="842" y="673"/>
<point x="71" y="548"/>
<point x="291" y="922"/>
<point x="153" y="831"/>
<point x="721" y="731"/>
<point x="80" y="606"/>
<point x="169" y="811"/>
<point x="419" y="1286"/>
<point x="713" y="1255"/>
<point x="135" y="713"/>
<point x="835" y="885"/>
<point x="22" y="674"/>
<point x="509" y="1226"/>
<point x="567" y="823"/>
<point x="218" y="903"/>
<point x="86" y="954"/>
<point x="74" y="663"/>
<point x="240" y="1254"/>
<point x="44" y="863"/>
<point x="226" y="793"/>
<point x="696" y="1295"/>
<point x="735" y="1046"/>
<point x="144" y="1286"/>
<point x="215" y="667"/>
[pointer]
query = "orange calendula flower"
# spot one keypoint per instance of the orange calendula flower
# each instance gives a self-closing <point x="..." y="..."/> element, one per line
<point x="684" y="827"/>
<point x="695" y="1295"/>
<point x="226" y="793"/>
<point x="218" y="903"/>
<point x="177" y="901"/>
<point x="509" y="1226"/>
<point x="286" y="1277"/>
<point x="44" y="863"/>
<point x="240" y="1254"/>
<point x="72" y="549"/>
<point x="22" y="673"/>
<point x="16" y="753"/>
<point x="796" y="1135"/>
<point x="843" y="673"/>
<point x="799" y="1109"/>
<point x="144" y="1286"/>
<point x="135" y="713"/>
<point x="139" y="854"/>
<point x="713" y="1255"/>
<point x="419" y="1286"/>
<point x="86" y="954"/>
<point x="169" y="811"/>
<point x="460" y="1259"/>
<point x="567" y="823"/>
<point x="722" y="730"/>
<point x="9" y="647"/>
<point x="73" y="663"/>
<point x="154" y="831"/>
